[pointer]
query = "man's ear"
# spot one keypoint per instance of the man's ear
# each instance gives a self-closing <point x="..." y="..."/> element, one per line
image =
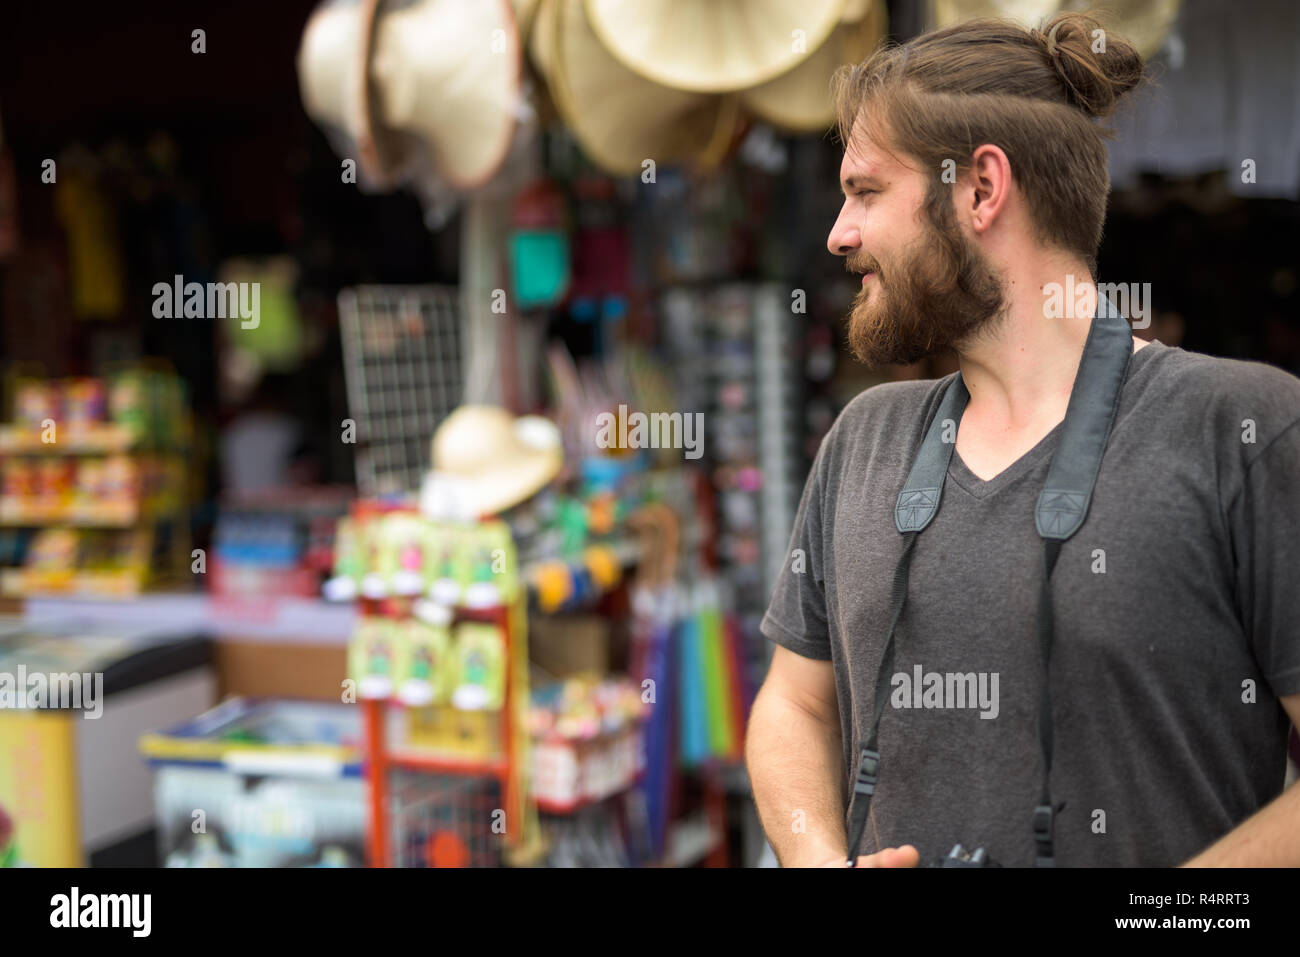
<point x="990" y="180"/>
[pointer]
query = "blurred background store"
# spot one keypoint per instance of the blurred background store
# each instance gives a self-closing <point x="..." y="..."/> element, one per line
<point x="406" y="404"/>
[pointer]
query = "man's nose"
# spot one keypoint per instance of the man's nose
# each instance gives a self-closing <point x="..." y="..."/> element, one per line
<point x="844" y="237"/>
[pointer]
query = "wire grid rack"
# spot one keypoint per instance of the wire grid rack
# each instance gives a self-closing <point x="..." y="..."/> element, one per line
<point x="403" y="367"/>
<point x="441" y="820"/>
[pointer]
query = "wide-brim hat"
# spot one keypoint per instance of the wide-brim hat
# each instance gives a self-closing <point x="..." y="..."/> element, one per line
<point x="1143" y="23"/>
<point x="334" y="59"/>
<point x="1028" y="13"/>
<point x="619" y="117"/>
<point x="541" y="38"/>
<point x="446" y="87"/>
<point x="712" y="46"/>
<point x="486" y="461"/>
<point x="799" y="101"/>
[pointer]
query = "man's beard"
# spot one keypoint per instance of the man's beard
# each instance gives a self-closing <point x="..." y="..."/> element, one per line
<point x="940" y="295"/>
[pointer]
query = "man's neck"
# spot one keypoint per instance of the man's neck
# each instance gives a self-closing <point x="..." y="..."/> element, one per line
<point x="1021" y="370"/>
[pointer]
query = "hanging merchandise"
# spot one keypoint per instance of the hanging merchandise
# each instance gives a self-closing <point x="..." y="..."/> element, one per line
<point x="541" y="39"/>
<point x="481" y="674"/>
<point x="370" y="657"/>
<point x="621" y="118"/>
<point x="335" y="61"/>
<point x="710" y="666"/>
<point x="693" y="716"/>
<point x="446" y="82"/>
<point x="797" y="100"/>
<point x="486" y="461"/>
<point x="262" y="319"/>
<point x="1144" y="23"/>
<point x="424" y="671"/>
<point x="712" y="46"/>
<point x="441" y="637"/>
<point x="425" y="95"/>
<point x="95" y="268"/>
<point x="525" y="12"/>
<point x="539" y="246"/>
<point x="652" y="666"/>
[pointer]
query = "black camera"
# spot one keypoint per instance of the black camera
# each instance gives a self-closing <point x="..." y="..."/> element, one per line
<point x="959" y="857"/>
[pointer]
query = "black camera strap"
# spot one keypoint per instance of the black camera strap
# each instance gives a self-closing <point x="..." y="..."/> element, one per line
<point x="1061" y="509"/>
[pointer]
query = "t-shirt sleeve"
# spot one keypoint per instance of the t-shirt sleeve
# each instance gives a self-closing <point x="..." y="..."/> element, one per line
<point x="796" y="616"/>
<point x="1264" y="518"/>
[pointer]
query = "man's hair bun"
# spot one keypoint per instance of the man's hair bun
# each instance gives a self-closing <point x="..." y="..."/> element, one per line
<point x="1096" y="67"/>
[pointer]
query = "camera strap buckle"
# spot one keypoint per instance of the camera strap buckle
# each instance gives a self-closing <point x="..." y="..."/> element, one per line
<point x="1043" y="835"/>
<point x="868" y="767"/>
<point x="864" y="786"/>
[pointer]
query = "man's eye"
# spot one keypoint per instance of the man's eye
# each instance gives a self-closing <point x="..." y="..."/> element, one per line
<point x="865" y="192"/>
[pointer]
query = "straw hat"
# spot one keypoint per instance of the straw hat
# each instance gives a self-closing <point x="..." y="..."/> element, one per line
<point x="525" y="11"/>
<point x="486" y="461"/>
<point x="1028" y="13"/>
<point x="622" y="119"/>
<point x="541" y="37"/>
<point x="799" y="101"/>
<point x="334" y="60"/>
<point x="712" y="46"/>
<point x="446" y="76"/>
<point x="1144" y="23"/>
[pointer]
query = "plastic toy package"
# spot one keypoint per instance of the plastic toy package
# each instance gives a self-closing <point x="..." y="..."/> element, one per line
<point x="402" y="553"/>
<point x="421" y="661"/>
<point x="424" y="669"/>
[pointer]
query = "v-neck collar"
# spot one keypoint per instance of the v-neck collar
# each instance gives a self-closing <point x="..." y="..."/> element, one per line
<point x="979" y="488"/>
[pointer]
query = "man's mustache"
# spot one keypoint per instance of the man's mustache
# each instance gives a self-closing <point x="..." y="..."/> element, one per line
<point x="860" y="264"/>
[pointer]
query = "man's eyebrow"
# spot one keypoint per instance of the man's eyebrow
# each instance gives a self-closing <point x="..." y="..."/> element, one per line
<point x="857" y="180"/>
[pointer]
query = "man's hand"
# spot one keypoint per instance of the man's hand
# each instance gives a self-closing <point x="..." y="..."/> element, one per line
<point x="1268" y="838"/>
<point x="905" y="856"/>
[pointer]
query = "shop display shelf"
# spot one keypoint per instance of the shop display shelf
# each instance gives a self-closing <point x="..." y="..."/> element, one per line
<point x="97" y="438"/>
<point x="413" y="760"/>
<point x="23" y="513"/>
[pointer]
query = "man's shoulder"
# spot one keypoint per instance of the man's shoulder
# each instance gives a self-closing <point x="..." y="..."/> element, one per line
<point x="1216" y="388"/>
<point x="888" y="405"/>
<point x="888" y="416"/>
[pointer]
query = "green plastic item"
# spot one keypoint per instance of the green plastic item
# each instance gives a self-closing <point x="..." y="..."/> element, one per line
<point x="539" y="259"/>
<point x="481" y="656"/>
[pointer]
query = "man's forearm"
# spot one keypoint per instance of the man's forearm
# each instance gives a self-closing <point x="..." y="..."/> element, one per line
<point x="1268" y="838"/>
<point x="794" y="761"/>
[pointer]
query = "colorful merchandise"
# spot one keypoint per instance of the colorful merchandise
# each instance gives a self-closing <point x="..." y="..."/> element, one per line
<point x="35" y="401"/>
<point x="481" y="667"/>
<point x="445" y="542"/>
<point x="587" y="741"/>
<point x="260" y="810"/>
<point x="490" y="576"/>
<point x="85" y="401"/>
<point x="371" y="657"/>
<point x="425" y="662"/>
<point x="8" y="846"/>
<point x="403" y="553"/>
<point x="54" y="549"/>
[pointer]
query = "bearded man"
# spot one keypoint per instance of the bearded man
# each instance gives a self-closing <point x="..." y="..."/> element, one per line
<point x="1146" y="662"/>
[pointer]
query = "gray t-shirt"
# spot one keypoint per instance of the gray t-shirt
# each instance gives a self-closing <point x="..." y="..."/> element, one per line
<point x="1177" y="620"/>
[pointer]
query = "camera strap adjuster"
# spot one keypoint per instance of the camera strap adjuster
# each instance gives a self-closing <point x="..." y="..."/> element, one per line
<point x="864" y="786"/>
<point x="868" y="766"/>
<point x="1043" y="835"/>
